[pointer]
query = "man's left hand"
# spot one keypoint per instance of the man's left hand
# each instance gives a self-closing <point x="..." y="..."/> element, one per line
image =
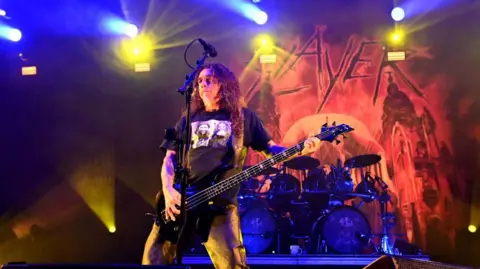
<point x="311" y="145"/>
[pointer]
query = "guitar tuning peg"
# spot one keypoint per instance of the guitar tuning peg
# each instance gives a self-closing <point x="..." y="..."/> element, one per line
<point x="337" y="141"/>
<point x="344" y="136"/>
<point x="334" y="123"/>
<point x="324" y="125"/>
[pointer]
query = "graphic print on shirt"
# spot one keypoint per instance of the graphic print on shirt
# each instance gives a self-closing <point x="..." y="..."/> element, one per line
<point x="212" y="133"/>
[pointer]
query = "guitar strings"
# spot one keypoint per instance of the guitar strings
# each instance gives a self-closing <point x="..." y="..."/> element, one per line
<point x="224" y="185"/>
<point x="214" y="190"/>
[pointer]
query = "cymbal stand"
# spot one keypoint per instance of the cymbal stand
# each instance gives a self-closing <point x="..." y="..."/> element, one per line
<point x="388" y="219"/>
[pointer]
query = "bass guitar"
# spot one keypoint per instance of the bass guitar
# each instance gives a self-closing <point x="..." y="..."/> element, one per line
<point x="200" y="200"/>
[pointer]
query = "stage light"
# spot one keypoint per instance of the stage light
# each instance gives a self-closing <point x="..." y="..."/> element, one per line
<point x="138" y="47"/>
<point x="142" y="67"/>
<point x="112" y="229"/>
<point x="393" y="56"/>
<point x="3" y="13"/>
<point x="253" y="13"/>
<point x="14" y="35"/>
<point x="137" y="52"/>
<point x="9" y="33"/>
<point x="398" y="14"/>
<point x="247" y="9"/>
<point x="264" y="42"/>
<point x="265" y="49"/>
<point x="472" y="228"/>
<point x="120" y="27"/>
<point x="29" y="70"/>
<point x="131" y="30"/>
<point x="261" y="18"/>
<point x="396" y="38"/>
<point x="268" y="58"/>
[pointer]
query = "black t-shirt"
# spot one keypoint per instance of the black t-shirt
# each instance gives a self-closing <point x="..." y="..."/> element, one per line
<point x="212" y="144"/>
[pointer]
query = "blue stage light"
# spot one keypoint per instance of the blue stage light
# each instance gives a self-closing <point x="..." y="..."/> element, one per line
<point x="398" y="14"/>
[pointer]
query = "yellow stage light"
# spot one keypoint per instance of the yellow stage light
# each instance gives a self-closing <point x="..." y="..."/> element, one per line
<point x="264" y="40"/>
<point x="472" y="228"/>
<point x="396" y="37"/>
<point x="94" y="182"/>
<point x="137" y="49"/>
<point x="263" y="43"/>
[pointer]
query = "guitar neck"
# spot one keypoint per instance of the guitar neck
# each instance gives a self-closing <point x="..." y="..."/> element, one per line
<point x="235" y="180"/>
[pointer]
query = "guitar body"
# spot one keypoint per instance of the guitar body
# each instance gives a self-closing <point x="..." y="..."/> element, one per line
<point x="199" y="217"/>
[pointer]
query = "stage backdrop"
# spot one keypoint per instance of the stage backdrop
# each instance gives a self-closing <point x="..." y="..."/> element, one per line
<point x="396" y="108"/>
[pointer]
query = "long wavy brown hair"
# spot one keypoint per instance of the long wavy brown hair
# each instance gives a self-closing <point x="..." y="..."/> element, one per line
<point x="231" y="99"/>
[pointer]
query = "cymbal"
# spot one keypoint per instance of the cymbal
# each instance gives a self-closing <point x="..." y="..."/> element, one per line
<point x="362" y="160"/>
<point x="266" y="172"/>
<point x="302" y="163"/>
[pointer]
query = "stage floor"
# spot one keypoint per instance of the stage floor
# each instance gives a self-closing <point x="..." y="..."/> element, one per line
<point x="301" y="260"/>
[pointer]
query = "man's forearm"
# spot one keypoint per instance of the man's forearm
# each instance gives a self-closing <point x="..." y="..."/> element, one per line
<point x="167" y="173"/>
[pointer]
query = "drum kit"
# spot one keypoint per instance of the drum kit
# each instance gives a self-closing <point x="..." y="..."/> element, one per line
<point x="277" y="210"/>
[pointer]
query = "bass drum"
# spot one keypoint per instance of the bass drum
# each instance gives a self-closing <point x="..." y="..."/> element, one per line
<point x="341" y="229"/>
<point x="258" y="227"/>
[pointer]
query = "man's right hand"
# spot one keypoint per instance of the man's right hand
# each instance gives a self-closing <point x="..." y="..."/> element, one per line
<point x="172" y="200"/>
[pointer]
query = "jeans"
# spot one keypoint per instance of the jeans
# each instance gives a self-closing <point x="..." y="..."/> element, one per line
<point x="224" y="244"/>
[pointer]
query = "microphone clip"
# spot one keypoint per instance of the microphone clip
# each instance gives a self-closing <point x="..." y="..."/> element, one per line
<point x="209" y="50"/>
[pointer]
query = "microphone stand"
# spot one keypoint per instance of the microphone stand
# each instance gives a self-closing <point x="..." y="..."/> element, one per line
<point x="182" y="173"/>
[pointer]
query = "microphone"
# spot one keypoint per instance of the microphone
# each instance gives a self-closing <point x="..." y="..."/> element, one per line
<point x="208" y="48"/>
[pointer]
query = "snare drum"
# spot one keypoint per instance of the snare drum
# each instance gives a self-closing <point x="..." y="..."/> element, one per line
<point x="342" y="229"/>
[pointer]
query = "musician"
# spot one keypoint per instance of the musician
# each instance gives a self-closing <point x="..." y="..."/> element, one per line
<point x="216" y="105"/>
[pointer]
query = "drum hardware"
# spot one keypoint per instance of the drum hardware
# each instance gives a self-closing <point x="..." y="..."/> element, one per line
<point x="361" y="161"/>
<point x="388" y="219"/>
<point x="302" y="163"/>
<point x="366" y="188"/>
<point x="339" y="182"/>
<point x="315" y="180"/>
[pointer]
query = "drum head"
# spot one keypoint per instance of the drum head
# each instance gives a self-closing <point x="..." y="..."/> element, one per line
<point x="258" y="229"/>
<point x="341" y="228"/>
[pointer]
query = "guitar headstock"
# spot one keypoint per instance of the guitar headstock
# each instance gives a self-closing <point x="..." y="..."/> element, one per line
<point x="330" y="133"/>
